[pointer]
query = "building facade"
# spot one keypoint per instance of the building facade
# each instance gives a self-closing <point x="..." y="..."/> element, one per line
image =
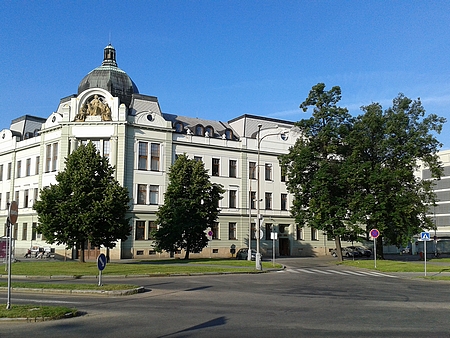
<point x="142" y="142"/>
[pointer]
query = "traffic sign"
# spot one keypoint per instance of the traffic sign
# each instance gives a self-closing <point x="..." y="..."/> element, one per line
<point x="425" y="236"/>
<point x="101" y="261"/>
<point x="374" y="233"/>
<point x="13" y="212"/>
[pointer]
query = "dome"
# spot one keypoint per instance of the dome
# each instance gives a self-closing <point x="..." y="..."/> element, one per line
<point x="111" y="78"/>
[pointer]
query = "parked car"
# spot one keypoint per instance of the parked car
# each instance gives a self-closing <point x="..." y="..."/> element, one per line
<point x="346" y="252"/>
<point x="362" y="251"/>
<point x="243" y="254"/>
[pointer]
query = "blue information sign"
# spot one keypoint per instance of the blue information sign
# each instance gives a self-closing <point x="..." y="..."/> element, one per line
<point x="101" y="261"/>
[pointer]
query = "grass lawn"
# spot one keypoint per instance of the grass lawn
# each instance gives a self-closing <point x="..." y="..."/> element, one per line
<point x="165" y="267"/>
<point x="434" y="265"/>
<point x="36" y="312"/>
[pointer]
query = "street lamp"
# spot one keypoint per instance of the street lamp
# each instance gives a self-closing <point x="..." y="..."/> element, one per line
<point x="258" y="189"/>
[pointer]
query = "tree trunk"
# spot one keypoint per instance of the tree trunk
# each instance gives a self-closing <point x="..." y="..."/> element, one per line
<point x="337" y="240"/>
<point x="186" y="256"/>
<point x="81" y="258"/>
<point x="379" y="244"/>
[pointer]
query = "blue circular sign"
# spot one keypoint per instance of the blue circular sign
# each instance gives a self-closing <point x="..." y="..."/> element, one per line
<point x="101" y="261"/>
<point x="374" y="233"/>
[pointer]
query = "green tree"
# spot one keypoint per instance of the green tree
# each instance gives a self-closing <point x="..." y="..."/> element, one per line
<point x="387" y="147"/>
<point x="87" y="203"/>
<point x="316" y="166"/>
<point x="190" y="207"/>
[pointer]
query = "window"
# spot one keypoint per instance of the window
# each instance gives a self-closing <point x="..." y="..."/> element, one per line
<point x="8" y="174"/>
<point x="215" y="230"/>
<point x="143" y="156"/>
<point x="36" y="194"/>
<point x="209" y="131"/>
<point x="253" y="225"/>
<point x="19" y="168"/>
<point x="268" y="200"/>
<point x="0" y="200"/>
<point x="55" y="156"/>
<point x="33" y="231"/>
<point x="283" y="201"/>
<point x="232" y="195"/>
<point x="96" y="144"/>
<point x="36" y="171"/>
<point x="24" y="231"/>
<point x="16" y="230"/>
<point x="154" y="157"/>
<point x="314" y="234"/>
<point x="106" y="148"/>
<point x="152" y="227"/>
<point x="268" y="230"/>
<point x="232" y="168"/>
<point x="7" y="199"/>
<point x="199" y="130"/>
<point x="215" y="166"/>
<point x="25" y="198"/>
<point x="1" y="172"/>
<point x="252" y="170"/>
<point x="283" y="173"/>
<point x="179" y="127"/>
<point x="299" y="232"/>
<point x="142" y="194"/>
<point x="282" y="228"/>
<point x="253" y="199"/>
<point x="232" y="230"/>
<point x="51" y="157"/>
<point x="154" y="194"/>
<point x="198" y="158"/>
<point x="268" y="171"/>
<point x="140" y="231"/>
<point x="17" y="197"/>
<point x="228" y="134"/>
<point x="48" y="157"/>
<point x="28" y="167"/>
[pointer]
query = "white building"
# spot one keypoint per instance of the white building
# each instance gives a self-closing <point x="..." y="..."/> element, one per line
<point x="142" y="142"/>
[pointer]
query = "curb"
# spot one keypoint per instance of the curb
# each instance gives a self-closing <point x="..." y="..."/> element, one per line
<point x="74" y="292"/>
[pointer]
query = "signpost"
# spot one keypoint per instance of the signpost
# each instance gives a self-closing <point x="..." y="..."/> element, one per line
<point x="374" y="233"/>
<point x="13" y="213"/>
<point x="101" y="263"/>
<point x="425" y="237"/>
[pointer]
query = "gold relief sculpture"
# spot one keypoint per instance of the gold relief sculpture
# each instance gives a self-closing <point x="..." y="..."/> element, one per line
<point x="96" y="107"/>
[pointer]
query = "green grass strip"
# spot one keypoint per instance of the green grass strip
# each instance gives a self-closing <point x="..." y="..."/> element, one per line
<point x="166" y="267"/>
<point x="35" y="312"/>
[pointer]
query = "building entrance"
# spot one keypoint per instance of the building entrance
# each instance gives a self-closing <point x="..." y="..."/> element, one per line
<point x="284" y="247"/>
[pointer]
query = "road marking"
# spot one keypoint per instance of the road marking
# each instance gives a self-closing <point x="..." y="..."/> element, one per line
<point x="321" y="271"/>
<point x="340" y="272"/>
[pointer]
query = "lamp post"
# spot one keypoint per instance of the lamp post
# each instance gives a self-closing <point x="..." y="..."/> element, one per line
<point x="258" y="189"/>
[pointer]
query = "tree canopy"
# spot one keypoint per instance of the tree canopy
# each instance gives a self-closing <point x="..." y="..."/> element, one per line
<point x="387" y="149"/>
<point x="87" y="203"/>
<point x="190" y="207"/>
<point x="351" y="174"/>
<point x="316" y="165"/>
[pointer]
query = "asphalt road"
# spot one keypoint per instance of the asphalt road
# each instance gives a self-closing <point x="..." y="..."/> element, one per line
<point x="311" y="298"/>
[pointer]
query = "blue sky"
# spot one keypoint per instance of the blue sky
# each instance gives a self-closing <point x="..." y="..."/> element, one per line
<point x="221" y="59"/>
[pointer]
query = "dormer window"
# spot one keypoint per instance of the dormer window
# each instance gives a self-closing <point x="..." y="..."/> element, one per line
<point x="199" y="130"/>
<point x="228" y="134"/>
<point x="210" y="131"/>
<point x="179" y="127"/>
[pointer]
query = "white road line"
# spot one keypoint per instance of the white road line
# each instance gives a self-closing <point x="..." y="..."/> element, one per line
<point x="355" y="273"/>
<point x="338" y="272"/>
<point x="304" y="270"/>
<point x="321" y="271"/>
